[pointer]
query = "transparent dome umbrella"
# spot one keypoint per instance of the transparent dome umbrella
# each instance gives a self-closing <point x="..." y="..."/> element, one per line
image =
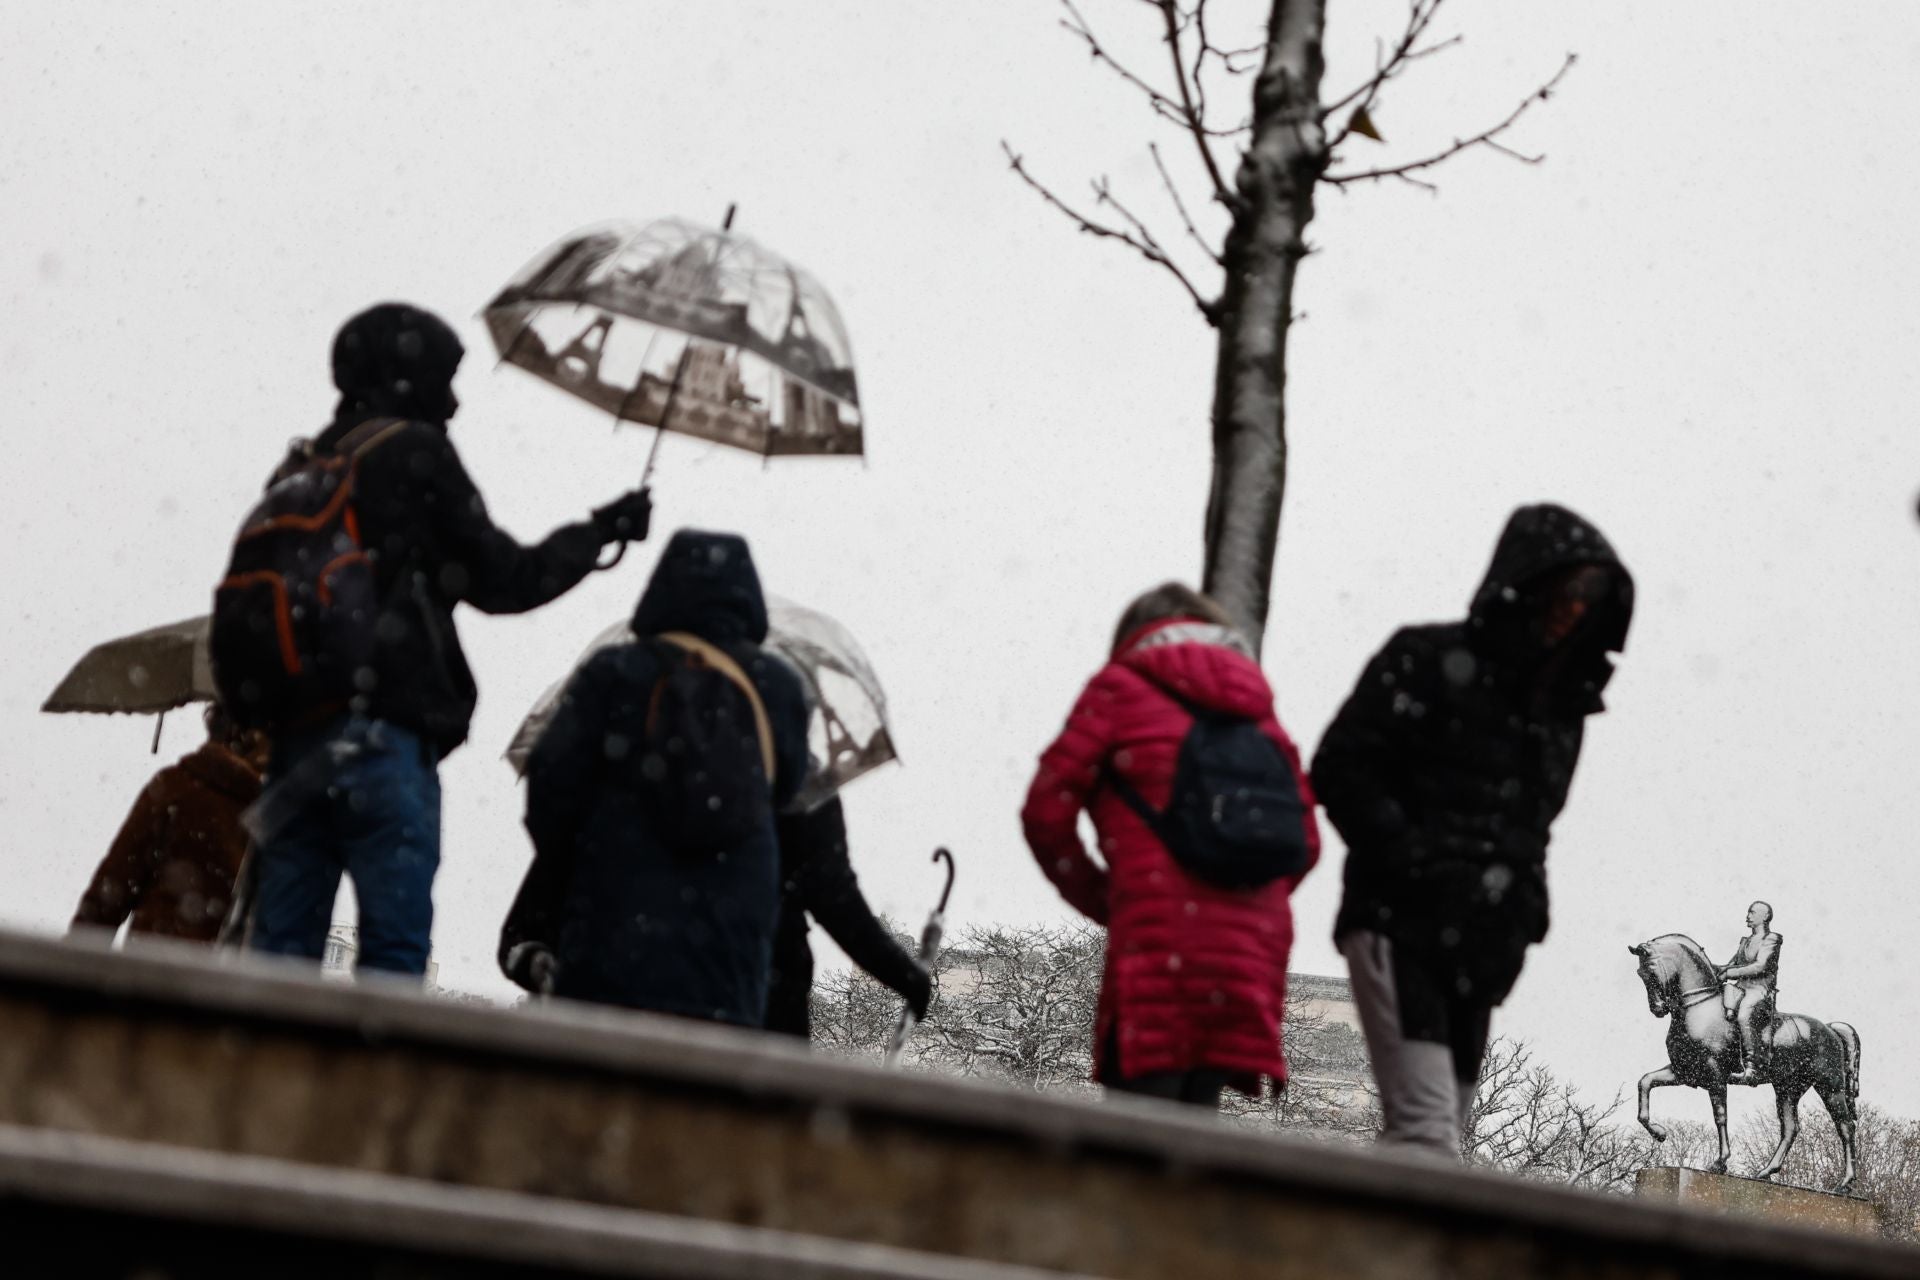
<point x="847" y="734"/>
<point x="687" y="329"/>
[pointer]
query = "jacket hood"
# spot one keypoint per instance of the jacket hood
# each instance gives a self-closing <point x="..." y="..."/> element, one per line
<point x="222" y="770"/>
<point x="396" y="360"/>
<point x="1540" y="540"/>
<point x="705" y="583"/>
<point x="1202" y="662"/>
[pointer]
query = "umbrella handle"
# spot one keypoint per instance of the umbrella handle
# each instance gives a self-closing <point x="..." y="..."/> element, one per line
<point x="929" y="948"/>
<point x="943" y="854"/>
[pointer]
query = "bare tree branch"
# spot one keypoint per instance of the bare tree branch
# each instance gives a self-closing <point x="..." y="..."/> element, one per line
<point x="1181" y="205"/>
<point x="1228" y="57"/>
<point x="1387" y="65"/>
<point x="1161" y="103"/>
<point x="1139" y="238"/>
<point x="1485" y="138"/>
<point x="1203" y="46"/>
<point x="1194" y="119"/>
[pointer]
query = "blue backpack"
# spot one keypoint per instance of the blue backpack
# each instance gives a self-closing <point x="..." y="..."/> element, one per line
<point x="1235" y="818"/>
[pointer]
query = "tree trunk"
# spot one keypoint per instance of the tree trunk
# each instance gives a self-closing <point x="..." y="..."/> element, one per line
<point x="1285" y="157"/>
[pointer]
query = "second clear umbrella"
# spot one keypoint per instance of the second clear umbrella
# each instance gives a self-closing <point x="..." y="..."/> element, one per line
<point x="848" y="734"/>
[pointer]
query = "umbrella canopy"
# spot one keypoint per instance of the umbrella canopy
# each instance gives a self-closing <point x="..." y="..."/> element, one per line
<point x="148" y="672"/>
<point x="688" y="329"/>
<point x="848" y="734"/>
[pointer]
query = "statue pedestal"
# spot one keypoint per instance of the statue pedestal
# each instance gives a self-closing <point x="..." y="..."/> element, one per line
<point x="1747" y="1197"/>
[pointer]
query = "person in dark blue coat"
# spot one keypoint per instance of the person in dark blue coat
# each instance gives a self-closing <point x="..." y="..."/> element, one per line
<point x="611" y="911"/>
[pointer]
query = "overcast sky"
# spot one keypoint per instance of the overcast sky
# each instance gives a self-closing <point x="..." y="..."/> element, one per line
<point x="1695" y="323"/>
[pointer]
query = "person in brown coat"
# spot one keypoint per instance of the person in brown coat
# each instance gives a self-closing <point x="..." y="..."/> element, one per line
<point x="173" y="865"/>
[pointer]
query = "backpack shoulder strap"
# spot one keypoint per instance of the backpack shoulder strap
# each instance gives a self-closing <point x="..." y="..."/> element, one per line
<point x="1131" y="797"/>
<point x="717" y="658"/>
<point x="368" y="436"/>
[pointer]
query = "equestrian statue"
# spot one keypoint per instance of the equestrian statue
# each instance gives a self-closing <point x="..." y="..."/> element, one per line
<point x="1724" y="1030"/>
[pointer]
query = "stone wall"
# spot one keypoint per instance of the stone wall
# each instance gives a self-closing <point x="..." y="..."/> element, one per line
<point x="727" y="1127"/>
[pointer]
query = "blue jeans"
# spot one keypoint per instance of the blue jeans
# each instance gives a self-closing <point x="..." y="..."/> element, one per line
<point x="360" y="797"/>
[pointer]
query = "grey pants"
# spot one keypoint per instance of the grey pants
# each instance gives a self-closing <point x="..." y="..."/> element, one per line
<point x="1426" y="1045"/>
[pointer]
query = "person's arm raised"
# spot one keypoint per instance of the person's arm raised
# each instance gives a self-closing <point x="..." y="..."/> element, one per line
<point x="485" y="566"/>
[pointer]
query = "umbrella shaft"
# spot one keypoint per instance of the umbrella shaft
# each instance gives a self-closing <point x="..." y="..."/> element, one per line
<point x="666" y="410"/>
<point x="900" y="1034"/>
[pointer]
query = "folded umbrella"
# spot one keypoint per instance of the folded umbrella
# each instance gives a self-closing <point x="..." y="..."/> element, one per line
<point x="931" y="935"/>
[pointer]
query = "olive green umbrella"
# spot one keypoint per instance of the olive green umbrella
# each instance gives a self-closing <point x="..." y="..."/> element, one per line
<point x="142" y="674"/>
<point x="148" y="673"/>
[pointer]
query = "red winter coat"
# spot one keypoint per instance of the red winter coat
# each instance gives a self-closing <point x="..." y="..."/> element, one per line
<point x="1196" y="976"/>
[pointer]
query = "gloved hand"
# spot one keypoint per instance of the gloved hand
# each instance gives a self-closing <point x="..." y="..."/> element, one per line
<point x="534" y="967"/>
<point x="626" y="518"/>
<point x="919" y="991"/>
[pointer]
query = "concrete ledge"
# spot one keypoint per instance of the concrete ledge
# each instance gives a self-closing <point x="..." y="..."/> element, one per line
<point x="707" y="1123"/>
<point x="149" y="1209"/>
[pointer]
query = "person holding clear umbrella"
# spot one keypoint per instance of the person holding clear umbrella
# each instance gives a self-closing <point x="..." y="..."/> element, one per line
<point x="353" y="787"/>
<point x="847" y="737"/>
<point x="651" y="795"/>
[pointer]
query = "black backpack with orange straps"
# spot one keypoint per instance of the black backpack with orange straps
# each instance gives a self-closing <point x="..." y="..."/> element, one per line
<point x="293" y="630"/>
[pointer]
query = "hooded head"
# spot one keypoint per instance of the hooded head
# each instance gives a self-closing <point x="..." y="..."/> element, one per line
<point x="704" y="583"/>
<point x="1521" y="609"/>
<point x="396" y="360"/>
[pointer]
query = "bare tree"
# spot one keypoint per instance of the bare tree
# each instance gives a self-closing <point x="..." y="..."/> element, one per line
<point x="1527" y="1121"/>
<point x="1287" y="145"/>
<point x="853" y="1014"/>
<point x="1019" y="1005"/>
<point x="1330" y="1090"/>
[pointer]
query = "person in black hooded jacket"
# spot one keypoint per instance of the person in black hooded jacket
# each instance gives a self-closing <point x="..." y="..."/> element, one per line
<point x="1443" y="773"/>
<point x="612" y="910"/>
<point x="356" y="790"/>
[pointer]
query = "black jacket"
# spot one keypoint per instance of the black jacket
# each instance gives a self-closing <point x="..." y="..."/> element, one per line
<point x="1452" y="757"/>
<point x="817" y="879"/>
<point x="434" y="547"/>
<point x="419" y="514"/>
<point x="630" y="920"/>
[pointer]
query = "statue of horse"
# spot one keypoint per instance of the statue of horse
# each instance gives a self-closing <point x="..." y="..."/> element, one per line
<point x="1703" y="1049"/>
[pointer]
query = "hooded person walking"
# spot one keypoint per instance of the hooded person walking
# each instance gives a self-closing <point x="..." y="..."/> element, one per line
<point x="1205" y="825"/>
<point x="1444" y="772"/>
<point x="651" y="796"/>
<point x="353" y="785"/>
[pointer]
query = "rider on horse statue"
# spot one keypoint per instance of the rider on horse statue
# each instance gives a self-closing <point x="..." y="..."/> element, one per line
<point x="1752" y="980"/>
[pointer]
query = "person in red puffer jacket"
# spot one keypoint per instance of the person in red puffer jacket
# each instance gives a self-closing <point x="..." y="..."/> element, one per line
<point x="1196" y="974"/>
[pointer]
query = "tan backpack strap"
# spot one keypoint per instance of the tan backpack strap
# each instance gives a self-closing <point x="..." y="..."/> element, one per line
<point x="368" y="436"/>
<point x="721" y="661"/>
